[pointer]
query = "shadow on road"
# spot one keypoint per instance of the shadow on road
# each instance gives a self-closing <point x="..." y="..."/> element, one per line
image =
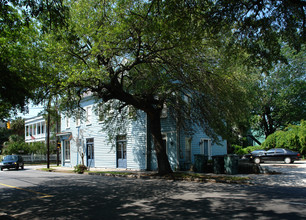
<point x="96" y="197"/>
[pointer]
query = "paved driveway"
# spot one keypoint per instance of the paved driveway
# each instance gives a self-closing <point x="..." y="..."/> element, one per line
<point x="285" y="174"/>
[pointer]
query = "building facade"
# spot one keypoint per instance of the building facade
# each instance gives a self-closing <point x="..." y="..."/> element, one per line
<point x="35" y="129"/>
<point x="86" y="141"/>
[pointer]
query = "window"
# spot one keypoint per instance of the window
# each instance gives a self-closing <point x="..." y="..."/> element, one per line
<point x="121" y="151"/>
<point x="205" y="147"/>
<point x="27" y="130"/>
<point x="67" y="150"/>
<point x="43" y="128"/>
<point x="188" y="149"/>
<point x="164" y="112"/>
<point x="77" y="121"/>
<point x="67" y="122"/>
<point x="38" y="128"/>
<point x="88" y="115"/>
<point x="34" y="129"/>
<point x="90" y="148"/>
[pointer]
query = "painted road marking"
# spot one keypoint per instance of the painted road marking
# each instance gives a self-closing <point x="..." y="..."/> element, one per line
<point x="43" y="195"/>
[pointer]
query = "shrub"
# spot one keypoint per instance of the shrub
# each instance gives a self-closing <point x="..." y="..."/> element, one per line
<point x="16" y="148"/>
<point x="80" y="168"/>
<point x="239" y="150"/>
<point x="292" y="137"/>
<point x="38" y="148"/>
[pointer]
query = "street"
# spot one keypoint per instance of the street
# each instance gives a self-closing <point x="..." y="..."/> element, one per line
<point x="32" y="194"/>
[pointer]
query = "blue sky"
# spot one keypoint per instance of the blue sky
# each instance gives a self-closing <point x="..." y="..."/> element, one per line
<point x="34" y="110"/>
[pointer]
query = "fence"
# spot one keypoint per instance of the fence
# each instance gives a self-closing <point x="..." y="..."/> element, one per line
<point x="34" y="158"/>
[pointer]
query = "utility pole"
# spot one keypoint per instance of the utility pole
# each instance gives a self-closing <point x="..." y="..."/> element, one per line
<point x="57" y="131"/>
<point x="48" y="134"/>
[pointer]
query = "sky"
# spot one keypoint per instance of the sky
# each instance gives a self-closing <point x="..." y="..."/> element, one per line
<point x="34" y="110"/>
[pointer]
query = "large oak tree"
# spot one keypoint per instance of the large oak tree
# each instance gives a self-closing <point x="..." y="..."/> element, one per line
<point x="192" y="56"/>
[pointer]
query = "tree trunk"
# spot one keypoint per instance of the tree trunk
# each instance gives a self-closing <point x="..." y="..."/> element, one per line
<point x="161" y="154"/>
<point x="267" y="121"/>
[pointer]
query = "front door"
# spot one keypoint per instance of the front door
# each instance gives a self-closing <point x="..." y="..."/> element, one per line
<point x="90" y="152"/>
<point x="121" y="152"/>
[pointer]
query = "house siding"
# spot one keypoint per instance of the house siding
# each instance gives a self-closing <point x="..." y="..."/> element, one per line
<point x="104" y="151"/>
<point x="140" y="153"/>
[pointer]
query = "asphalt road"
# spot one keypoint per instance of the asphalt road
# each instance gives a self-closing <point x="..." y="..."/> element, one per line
<point x="31" y="194"/>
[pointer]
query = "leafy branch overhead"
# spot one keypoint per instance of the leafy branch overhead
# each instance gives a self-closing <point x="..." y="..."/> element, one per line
<point x="199" y="58"/>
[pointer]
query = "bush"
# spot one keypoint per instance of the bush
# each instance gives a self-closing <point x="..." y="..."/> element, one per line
<point x="239" y="150"/>
<point x="16" y="148"/>
<point x="292" y="137"/>
<point x="80" y="168"/>
<point x="38" y="148"/>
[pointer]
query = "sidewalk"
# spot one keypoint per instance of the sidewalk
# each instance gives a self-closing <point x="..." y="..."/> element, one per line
<point x="284" y="174"/>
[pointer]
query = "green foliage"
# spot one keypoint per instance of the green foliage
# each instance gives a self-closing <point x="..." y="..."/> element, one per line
<point x="21" y="65"/>
<point x="281" y="94"/>
<point x="239" y="150"/>
<point x="80" y="168"/>
<point x="17" y="126"/>
<point x="47" y="169"/>
<point x="149" y="53"/>
<point x="146" y="54"/>
<point x="292" y="137"/>
<point x="38" y="148"/>
<point x="18" y="59"/>
<point x="4" y="135"/>
<point x="18" y="147"/>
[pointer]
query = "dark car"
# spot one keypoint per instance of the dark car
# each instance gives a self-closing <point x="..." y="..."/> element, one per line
<point x="275" y="154"/>
<point x="254" y="155"/>
<point x="12" y="161"/>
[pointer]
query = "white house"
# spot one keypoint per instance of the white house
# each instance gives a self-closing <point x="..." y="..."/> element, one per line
<point x="86" y="140"/>
<point x="35" y="129"/>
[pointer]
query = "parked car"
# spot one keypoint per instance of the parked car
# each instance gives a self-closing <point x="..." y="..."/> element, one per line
<point x="12" y="161"/>
<point x="275" y="154"/>
<point x="254" y="156"/>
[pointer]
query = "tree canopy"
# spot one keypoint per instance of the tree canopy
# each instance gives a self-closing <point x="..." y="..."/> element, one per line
<point x="20" y="61"/>
<point x="193" y="56"/>
<point x="197" y="57"/>
<point x="281" y="95"/>
<point x="14" y="89"/>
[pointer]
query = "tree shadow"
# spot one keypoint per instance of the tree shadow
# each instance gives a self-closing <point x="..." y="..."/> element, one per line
<point x="97" y="197"/>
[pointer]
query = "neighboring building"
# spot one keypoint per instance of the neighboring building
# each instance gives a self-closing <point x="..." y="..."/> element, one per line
<point x="87" y="139"/>
<point x="35" y="129"/>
